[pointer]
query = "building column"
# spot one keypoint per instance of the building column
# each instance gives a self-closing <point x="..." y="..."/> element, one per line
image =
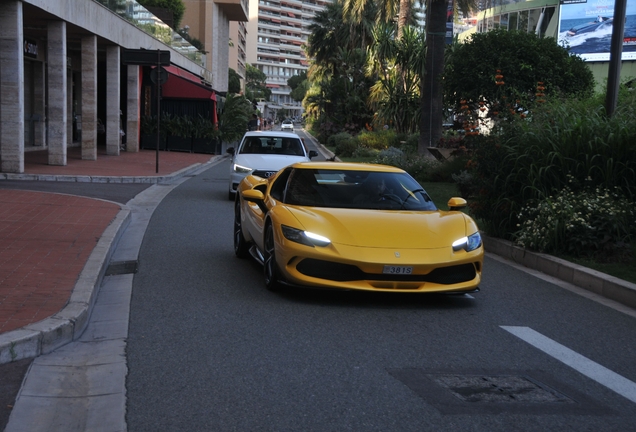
<point x="57" y="114"/>
<point x="133" y="106"/>
<point x="89" y="98"/>
<point x="39" y="105"/>
<point x="69" y="107"/>
<point x="113" y="110"/>
<point x="12" y="84"/>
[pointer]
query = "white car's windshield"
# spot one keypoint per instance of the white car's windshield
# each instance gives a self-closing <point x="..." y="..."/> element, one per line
<point x="272" y="145"/>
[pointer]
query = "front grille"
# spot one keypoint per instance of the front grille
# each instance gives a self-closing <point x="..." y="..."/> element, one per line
<point x="345" y="273"/>
<point x="263" y="173"/>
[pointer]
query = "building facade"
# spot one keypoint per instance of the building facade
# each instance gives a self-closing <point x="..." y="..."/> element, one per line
<point x="210" y="22"/>
<point x="64" y="83"/>
<point x="277" y="31"/>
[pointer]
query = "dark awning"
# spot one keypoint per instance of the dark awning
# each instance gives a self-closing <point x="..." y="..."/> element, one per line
<point x="185" y="85"/>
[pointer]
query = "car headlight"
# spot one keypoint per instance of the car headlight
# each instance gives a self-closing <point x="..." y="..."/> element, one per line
<point x="241" y="169"/>
<point x="304" y="237"/>
<point x="469" y="243"/>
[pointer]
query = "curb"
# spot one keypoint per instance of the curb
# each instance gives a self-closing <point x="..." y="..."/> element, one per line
<point x="103" y="179"/>
<point x="597" y="282"/>
<point x="69" y="323"/>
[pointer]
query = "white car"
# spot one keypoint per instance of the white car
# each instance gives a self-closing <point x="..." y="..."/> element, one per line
<point x="287" y="125"/>
<point x="263" y="154"/>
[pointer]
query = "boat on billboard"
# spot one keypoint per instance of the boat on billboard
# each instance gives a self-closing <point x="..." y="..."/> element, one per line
<point x="585" y="27"/>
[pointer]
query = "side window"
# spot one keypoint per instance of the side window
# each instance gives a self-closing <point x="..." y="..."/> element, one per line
<point x="278" y="188"/>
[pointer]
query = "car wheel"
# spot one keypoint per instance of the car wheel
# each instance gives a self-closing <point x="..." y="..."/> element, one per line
<point x="241" y="248"/>
<point x="270" y="269"/>
<point x="231" y="195"/>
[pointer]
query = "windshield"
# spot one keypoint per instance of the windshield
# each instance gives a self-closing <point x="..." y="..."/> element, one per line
<point x="272" y="145"/>
<point x="356" y="190"/>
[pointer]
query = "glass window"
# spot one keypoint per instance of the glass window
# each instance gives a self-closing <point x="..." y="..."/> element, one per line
<point x="523" y="21"/>
<point x="512" y="21"/>
<point x="533" y="20"/>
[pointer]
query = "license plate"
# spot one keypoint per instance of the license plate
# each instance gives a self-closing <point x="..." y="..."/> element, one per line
<point x="397" y="270"/>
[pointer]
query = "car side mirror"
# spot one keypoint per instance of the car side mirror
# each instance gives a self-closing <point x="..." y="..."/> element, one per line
<point x="253" y="195"/>
<point x="230" y="150"/>
<point x="312" y="153"/>
<point x="456" y="203"/>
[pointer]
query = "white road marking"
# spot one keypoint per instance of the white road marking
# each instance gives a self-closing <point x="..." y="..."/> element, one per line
<point x="587" y="367"/>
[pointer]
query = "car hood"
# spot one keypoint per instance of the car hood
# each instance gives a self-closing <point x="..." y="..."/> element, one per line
<point x="384" y="228"/>
<point x="269" y="162"/>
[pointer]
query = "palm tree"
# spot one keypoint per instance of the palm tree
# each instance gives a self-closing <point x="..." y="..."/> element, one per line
<point x="431" y="90"/>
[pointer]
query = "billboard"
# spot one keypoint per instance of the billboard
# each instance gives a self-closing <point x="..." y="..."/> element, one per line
<point x="585" y="26"/>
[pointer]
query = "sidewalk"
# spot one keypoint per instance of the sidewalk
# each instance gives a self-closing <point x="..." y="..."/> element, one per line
<point x="54" y="247"/>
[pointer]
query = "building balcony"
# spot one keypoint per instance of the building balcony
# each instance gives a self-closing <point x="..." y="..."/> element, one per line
<point x="235" y="10"/>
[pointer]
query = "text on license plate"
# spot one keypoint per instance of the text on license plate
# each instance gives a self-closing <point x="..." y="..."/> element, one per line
<point x="398" y="270"/>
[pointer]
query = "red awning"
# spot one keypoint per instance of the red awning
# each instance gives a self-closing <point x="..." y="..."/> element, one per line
<point x="185" y="85"/>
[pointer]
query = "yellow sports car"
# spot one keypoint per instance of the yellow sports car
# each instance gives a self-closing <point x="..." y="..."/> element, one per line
<point x="355" y="226"/>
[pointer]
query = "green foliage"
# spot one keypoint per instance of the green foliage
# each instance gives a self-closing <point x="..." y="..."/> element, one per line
<point x="523" y="60"/>
<point x="379" y="140"/>
<point x="175" y="6"/>
<point x="570" y="144"/>
<point x="343" y="143"/>
<point x="148" y="125"/>
<point x="233" y="118"/>
<point x="233" y="82"/>
<point x="255" y="84"/>
<point x="596" y="222"/>
<point x="398" y="65"/>
<point x="203" y="127"/>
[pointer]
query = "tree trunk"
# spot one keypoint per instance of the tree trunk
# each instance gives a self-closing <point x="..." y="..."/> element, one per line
<point x="403" y="15"/>
<point x="431" y="90"/>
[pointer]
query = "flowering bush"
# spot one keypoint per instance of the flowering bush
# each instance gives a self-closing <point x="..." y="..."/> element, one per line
<point x="599" y="222"/>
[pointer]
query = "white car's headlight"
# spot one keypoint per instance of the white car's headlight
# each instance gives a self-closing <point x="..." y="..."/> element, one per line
<point x="241" y="169"/>
<point x="469" y="243"/>
<point x="304" y="237"/>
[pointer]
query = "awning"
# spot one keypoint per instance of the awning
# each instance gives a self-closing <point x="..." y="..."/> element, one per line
<point x="272" y="85"/>
<point x="185" y="85"/>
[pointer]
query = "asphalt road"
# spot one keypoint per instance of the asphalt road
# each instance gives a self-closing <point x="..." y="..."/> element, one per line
<point x="210" y="349"/>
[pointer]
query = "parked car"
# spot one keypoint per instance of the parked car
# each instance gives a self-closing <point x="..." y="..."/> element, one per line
<point x="356" y="227"/>
<point x="287" y="125"/>
<point x="263" y="154"/>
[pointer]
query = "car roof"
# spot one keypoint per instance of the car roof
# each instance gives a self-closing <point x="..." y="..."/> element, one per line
<point x="351" y="166"/>
<point x="260" y="134"/>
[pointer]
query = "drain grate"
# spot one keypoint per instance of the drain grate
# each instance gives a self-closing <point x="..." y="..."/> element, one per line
<point x="476" y="392"/>
<point x="121" y="267"/>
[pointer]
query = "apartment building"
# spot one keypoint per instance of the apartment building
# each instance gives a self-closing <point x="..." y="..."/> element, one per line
<point x="210" y="21"/>
<point x="276" y="33"/>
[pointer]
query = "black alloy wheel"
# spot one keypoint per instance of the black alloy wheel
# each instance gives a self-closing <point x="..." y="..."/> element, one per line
<point x="241" y="248"/>
<point x="270" y="269"/>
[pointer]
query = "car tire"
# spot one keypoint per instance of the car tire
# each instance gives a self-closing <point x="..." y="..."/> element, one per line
<point x="241" y="248"/>
<point x="270" y="268"/>
<point x="231" y="195"/>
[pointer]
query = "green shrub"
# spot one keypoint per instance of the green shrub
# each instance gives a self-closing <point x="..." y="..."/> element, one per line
<point x="379" y="140"/>
<point x="343" y="144"/>
<point x="570" y="143"/>
<point x="599" y="223"/>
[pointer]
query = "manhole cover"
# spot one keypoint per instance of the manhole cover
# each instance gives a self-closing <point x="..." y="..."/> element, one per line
<point x="483" y="392"/>
<point x="505" y="388"/>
